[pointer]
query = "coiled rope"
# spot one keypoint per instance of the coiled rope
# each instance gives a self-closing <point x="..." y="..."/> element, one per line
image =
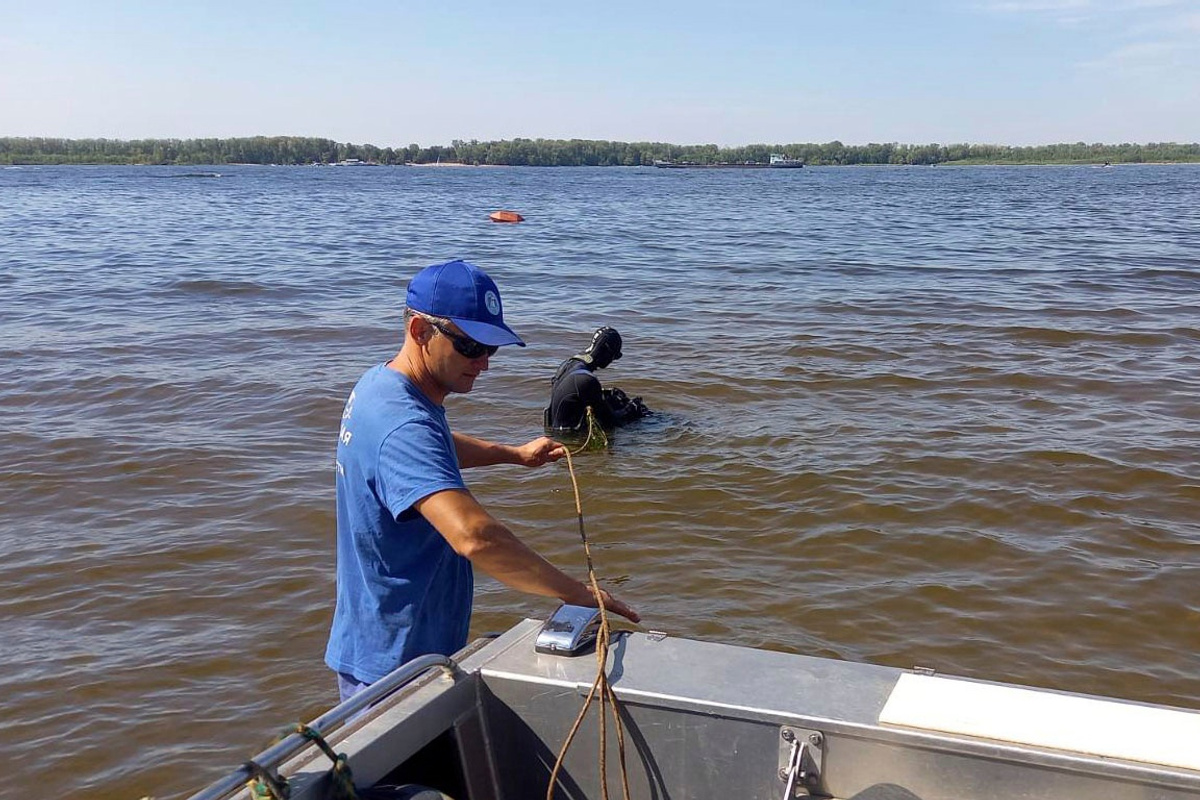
<point x="600" y="685"/>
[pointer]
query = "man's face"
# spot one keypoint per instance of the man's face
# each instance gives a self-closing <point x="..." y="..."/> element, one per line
<point x="455" y="371"/>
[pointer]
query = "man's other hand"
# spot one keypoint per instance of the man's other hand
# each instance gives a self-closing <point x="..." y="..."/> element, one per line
<point x="586" y="598"/>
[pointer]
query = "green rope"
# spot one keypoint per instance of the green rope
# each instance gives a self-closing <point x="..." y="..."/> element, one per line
<point x="340" y="775"/>
<point x="595" y="431"/>
<point x="265" y="786"/>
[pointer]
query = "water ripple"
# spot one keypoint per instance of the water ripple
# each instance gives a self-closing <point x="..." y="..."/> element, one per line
<point x="940" y="417"/>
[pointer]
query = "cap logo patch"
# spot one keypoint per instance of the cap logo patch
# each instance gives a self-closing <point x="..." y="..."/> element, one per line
<point x="492" y="302"/>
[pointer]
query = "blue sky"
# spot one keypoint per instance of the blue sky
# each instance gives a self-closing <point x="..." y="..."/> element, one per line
<point x="1015" y="72"/>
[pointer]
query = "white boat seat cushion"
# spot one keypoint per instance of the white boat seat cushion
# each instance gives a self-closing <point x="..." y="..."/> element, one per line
<point x="1042" y="718"/>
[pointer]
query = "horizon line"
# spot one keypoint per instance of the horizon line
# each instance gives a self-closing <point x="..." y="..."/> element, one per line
<point x="607" y="141"/>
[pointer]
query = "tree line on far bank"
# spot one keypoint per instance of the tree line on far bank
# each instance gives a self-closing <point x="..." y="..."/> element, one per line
<point x="295" y="150"/>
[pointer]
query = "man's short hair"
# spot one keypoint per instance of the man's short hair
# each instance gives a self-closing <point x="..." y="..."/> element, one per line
<point x="409" y="313"/>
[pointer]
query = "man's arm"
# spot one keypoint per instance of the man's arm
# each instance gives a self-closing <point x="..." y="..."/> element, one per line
<point x="473" y="452"/>
<point x="492" y="547"/>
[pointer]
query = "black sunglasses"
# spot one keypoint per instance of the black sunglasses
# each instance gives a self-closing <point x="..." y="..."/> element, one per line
<point x="465" y="346"/>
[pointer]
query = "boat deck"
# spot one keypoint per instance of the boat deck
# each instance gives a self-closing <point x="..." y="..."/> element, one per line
<point x="705" y="721"/>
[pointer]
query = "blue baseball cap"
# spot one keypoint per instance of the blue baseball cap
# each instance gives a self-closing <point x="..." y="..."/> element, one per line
<point x="465" y="295"/>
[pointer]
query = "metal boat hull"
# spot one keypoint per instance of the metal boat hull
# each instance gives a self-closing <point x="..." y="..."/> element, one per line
<point x="705" y="721"/>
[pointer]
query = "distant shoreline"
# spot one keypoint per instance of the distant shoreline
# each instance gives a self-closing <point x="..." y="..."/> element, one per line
<point x="297" y="150"/>
<point x="459" y="165"/>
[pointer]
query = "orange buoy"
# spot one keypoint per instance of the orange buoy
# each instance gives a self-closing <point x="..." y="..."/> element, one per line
<point x="505" y="216"/>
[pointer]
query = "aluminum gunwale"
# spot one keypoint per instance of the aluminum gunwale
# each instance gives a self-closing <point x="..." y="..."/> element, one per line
<point x="277" y="754"/>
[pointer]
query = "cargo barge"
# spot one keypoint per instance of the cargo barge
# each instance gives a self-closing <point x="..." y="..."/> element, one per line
<point x="777" y="162"/>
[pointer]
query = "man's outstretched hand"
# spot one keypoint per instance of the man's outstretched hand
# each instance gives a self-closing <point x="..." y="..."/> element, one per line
<point x="541" y="450"/>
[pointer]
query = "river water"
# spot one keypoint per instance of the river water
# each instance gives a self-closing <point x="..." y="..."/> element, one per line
<point x="911" y="416"/>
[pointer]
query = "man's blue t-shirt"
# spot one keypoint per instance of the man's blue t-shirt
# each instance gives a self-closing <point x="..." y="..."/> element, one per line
<point x="401" y="590"/>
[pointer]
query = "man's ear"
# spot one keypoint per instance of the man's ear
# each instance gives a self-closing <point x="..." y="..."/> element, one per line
<point x="418" y="329"/>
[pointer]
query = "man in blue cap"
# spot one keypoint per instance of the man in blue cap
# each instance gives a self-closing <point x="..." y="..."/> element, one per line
<point x="408" y="530"/>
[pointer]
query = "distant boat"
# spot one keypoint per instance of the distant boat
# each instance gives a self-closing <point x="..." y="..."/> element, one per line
<point x="785" y="162"/>
<point x="777" y="161"/>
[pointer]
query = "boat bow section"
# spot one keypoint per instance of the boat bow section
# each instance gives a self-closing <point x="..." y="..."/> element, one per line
<point x="710" y="720"/>
<point x="704" y="720"/>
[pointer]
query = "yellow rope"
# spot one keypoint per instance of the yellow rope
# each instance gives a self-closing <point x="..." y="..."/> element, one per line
<point x="600" y="684"/>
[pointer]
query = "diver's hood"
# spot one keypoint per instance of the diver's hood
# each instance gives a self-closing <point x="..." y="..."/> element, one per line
<point x="604" y="349"/>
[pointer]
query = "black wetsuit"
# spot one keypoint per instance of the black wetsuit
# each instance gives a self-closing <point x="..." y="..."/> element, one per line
<point x="574" y="388"/>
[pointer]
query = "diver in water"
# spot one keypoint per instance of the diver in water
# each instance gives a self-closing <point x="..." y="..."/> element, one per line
<point x="574" y="389"/>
